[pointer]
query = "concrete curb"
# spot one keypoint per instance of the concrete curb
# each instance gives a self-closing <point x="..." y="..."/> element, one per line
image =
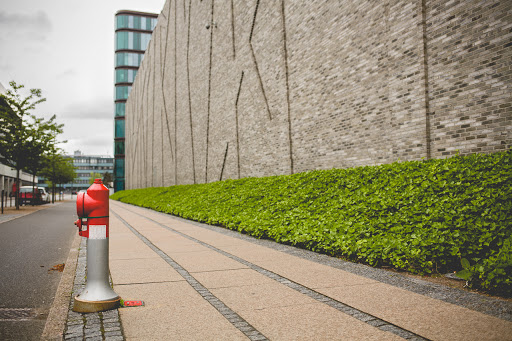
<point x="56" y="322"/>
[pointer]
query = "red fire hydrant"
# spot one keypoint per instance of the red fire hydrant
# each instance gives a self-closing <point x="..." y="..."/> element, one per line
<point x="93" y="224"/>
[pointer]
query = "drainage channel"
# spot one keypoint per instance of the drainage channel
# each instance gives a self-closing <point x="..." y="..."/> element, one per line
<point x="236" y="320"/>
<point x="344" y="308"/>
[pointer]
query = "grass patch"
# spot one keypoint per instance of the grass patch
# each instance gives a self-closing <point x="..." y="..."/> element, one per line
<point x="425" y="217"/>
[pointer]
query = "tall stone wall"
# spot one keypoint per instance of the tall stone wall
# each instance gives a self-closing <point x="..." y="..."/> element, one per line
<point x="231" y="88"/>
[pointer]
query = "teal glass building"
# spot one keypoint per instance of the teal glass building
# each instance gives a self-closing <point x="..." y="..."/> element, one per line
<point x="133" y="33"/>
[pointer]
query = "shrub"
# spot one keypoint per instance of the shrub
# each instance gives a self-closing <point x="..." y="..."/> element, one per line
<point x="420" y="216"/>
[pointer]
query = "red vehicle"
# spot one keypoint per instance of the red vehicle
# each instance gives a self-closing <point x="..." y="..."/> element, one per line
<point x="26" y="195"/>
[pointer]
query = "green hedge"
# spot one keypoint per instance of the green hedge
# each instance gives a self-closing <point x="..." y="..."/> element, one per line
<point x="430" y="216"/>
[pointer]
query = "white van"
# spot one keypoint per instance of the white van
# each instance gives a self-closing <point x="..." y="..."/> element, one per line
<point x="45" y="197"/>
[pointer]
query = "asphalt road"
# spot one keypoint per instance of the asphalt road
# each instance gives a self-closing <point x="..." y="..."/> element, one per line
<point x="29" y="247"/>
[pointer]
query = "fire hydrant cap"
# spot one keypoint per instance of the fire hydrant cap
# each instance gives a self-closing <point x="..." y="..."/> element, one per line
<point x="98" y="181"/>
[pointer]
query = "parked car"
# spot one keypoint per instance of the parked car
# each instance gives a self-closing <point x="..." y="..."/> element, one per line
<point x="45" y="197"/>
<point x="26" y="195"/>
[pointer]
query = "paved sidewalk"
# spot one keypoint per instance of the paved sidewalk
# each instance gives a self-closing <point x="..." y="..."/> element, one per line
<point x="206" y="283"/>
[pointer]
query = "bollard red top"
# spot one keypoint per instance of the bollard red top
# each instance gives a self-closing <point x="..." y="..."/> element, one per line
<point x="93" y="205"/>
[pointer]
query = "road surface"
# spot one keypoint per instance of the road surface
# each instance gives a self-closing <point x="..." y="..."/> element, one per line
<point x="30" y="246"/>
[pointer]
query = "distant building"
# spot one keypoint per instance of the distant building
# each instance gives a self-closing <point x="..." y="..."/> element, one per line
<point x="86" y="166"/>
<point x="8" y="178"/>
<point x="133" y="33"/>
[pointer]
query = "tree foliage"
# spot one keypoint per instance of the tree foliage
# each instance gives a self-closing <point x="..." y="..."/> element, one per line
<point x="93" y="176"/>
<point x="58" y="169"/>
<point x="108" y="178"/>
<point x="25" y="137"/>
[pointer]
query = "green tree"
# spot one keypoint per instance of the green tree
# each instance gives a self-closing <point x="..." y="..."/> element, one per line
<point x="93" y="176"/>
<point x="58" y="169"/>
<point x="108" y="178"/>
<point x="25" y="137"/>
<point x="44" y="144"/>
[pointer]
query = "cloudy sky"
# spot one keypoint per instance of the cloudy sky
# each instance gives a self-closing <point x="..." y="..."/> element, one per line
<point x="66" y="49"/>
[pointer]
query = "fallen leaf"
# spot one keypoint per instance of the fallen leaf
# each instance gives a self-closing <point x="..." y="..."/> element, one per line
<point x="58" y="267"/>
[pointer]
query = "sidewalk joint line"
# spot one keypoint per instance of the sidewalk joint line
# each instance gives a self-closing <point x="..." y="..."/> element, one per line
<point x="360" y="315"/>
<point x="142" y="283"/>
<point x="236" y="320"/>
<point x="217" y="270"/>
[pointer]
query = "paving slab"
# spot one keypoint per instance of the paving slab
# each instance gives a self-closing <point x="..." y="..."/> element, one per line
<point x="253" y="253"/>
<point x="231" y="278"/>
<point x="312" y="275"/>
<point x="148" y="270"/>
<point x="173" y="311"/>
<point x="174" y="243"/>
<point x="125" y="245"/>
<point x="206" y="261"/>
<point x="261" y="296"/>
<point x="308" y="273"/>
<point x="423" y="315"/>
<point x="312" y="321"/>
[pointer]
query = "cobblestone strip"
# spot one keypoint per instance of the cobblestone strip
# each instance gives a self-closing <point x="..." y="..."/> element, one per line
<point x="236" y="320"/>
<point x="104" y="325"/>
<point x="344" y="308"/>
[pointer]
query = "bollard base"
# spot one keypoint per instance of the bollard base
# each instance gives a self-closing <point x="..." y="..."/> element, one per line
<point x="82" y="306"/>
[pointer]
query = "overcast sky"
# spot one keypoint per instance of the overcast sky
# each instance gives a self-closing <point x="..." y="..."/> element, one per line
<point x="66" y="49"/>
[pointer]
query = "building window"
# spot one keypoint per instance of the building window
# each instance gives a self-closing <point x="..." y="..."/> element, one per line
<point x="119" y="184"/>
<point x="119" y="129"/>
<point x="119" y="168"/>
<point x="125" y="76"/>
<point x="128" y="59"/>
<point x="122" y="92"/>
<point x="130" y="21"/>
<point x="120" y="107"/>
<point x="132" y="40"/>
<point x="119" y="147"/>
<point x="121" y="21"/>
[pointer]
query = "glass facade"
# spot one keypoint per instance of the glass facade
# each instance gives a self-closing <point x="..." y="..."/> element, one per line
<point x="128" y="59"/>
<point x="133" y="34"/>
<point x="119" y="168"/>
<point x="136" y="22"/>
<point x="119" y="109"/>
<point x="125" y="75"/>
<point x="132" y="40"/>
<point x="119" y="130"/>
<point x="119" y="184"/>
<point x="118" y="147"/>
<point x="122" y="91"/>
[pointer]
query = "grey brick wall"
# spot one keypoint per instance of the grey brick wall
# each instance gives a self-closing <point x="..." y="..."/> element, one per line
<point x="232" y="88"/>
<point x="469" y="63"/>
